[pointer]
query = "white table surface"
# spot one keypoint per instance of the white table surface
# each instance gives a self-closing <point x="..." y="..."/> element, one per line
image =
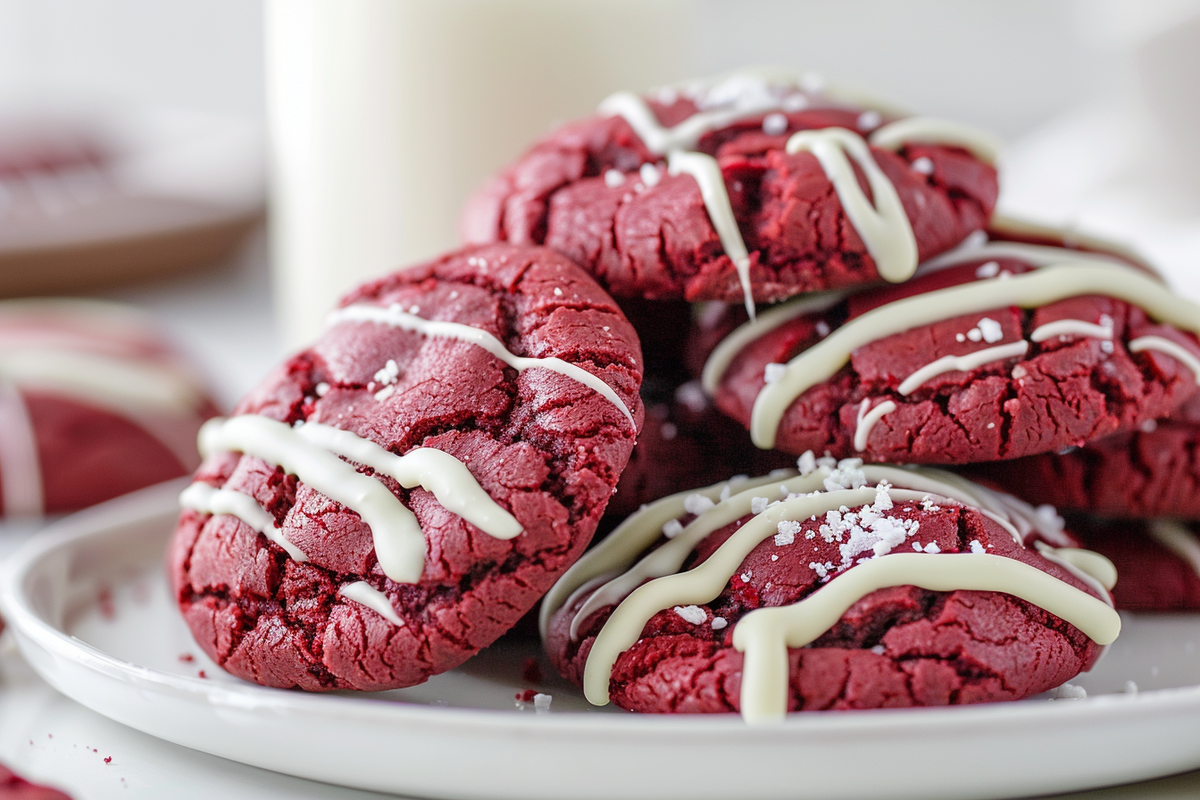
<point x="224" y="319"/>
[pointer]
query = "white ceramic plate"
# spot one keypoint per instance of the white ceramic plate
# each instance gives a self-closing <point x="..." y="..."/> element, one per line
<point x="91" y="612"/>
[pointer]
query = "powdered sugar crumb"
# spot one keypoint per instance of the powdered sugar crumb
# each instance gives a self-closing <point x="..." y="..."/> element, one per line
<point x="697" y="504"/>
<point x="693" y="614"/>
<point x="773" y="372"/>
<point x="759" y="504"/>
<point x="614" y="178"/>
<point x="923" y="166"/>
<point x="672" y="528"/>
<point x="976" y="547"/>
<point x="719" y="622"/>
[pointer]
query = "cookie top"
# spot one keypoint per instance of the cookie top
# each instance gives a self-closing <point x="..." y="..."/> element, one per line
<point x="1150" y="472"/>
<point x="717" y="591"/>
<point x="392" y="499"/>
<point x="747" y="188"/>
<point x="93" y="404"/>
<point x="997" y="350"/>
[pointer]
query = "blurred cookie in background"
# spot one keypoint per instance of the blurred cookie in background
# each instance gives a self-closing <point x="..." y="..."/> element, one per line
<point x="93" y="404"/>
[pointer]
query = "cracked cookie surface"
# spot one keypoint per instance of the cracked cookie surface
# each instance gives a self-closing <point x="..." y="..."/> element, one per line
<point x="597" y="192"/>
<point x="545" y="448"/>
<point x="1153" y="471"/>
<point x="903" y="397"/>
<point x="895" y="647"/>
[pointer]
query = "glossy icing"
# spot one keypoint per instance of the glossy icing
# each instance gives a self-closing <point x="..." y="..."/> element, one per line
<point x="1030" y="290"/>
<point x="654" y="583"/>
<point x="394" y="316"/>
<point x="311" y="452"/>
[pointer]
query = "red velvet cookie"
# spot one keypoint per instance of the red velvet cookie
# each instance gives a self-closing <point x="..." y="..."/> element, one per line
<point x="392" y="499"/>
<point x="746" y="188"/>
<point x="92" y="405"/>
<point x="846" y="587"/>
<point x="1158" y="560"/>
<point x="997" y="350"/>
<point x="1150" y="472"/>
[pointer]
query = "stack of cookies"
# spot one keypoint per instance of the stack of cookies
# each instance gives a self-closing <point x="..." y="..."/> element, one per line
<point x="809" y="291"/>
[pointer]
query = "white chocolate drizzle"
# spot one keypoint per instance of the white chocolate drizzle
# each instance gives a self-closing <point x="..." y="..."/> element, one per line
<point x="208" y="499"/>
<point x="883" y="225"/>
<point x="397" y="317"/>
<point x="963" y="363"/>
<point x="367" y="595"/>
<point x="720" y="359"/>
<point x="867" y="417"/>
<point x="707" y="174"/>
<point x="927" y="130"/>
<point x="20" y="467"/>
<point x="1070" y="327"/>
<point x="765" y="634"/>
<point x="1178" y="539"/>
<point x="614" y="556"/>
<point x="1172" y="349"/>
<point x="1030" y="290"/>
<point x="311" y="452"/>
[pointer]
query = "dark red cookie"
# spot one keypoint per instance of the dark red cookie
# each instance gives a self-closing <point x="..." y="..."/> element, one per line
<point x="540" y="445"/>
<point x="985" y="356"/>
<point x="612" y="193"/>
<point x="1156" y="559"/>
<point x="686" y="442"/>
<point x="93" y="404"/>
<point x="893" y="644"/>
<point x="14" y="787"/>
<point x="1150" y="472"/>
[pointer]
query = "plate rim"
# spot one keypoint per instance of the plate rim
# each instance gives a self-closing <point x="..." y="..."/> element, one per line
<point x="159" y="500"/>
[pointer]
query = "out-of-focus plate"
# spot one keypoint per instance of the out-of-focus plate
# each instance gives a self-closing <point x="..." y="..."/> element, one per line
<point x="91" y="612"/>
<point x="90" y="198"/>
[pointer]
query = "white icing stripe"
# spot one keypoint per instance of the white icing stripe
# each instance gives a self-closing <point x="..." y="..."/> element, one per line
<point x="1070" y="327"/>
<point x="867" y="419"/>
<point x="123" y="382"/>
<point x="704" y="582"/>
<point x="884" y="225"/>
<point x="1178" y="539"/>
<point x="686" y="134"/>
<point x="926" y="130"/>
<point x="399" y="540"/>
<point x="434" y="470"/>
<point x="1174" y="350"/>
<point x="210" y="500"/>
<point x="1030" y="290"/>
<point x="365" y="594"/>
<point x="718" y="363"/>
<point x="963" y="363"/>
<point x="707" y="174"/>
<point x="20" y="466"/>
<point x="1090" y="567"/>
<point x="1035" y="255"/>
<point x="765" y="634"/>
<point x="616" y="553"/>
<point x="398" y="318"/>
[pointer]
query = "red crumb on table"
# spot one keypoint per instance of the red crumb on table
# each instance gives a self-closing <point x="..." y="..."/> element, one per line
<point x="104" y="600"/>
<point x="531" y="671"/>
<point x="525" y="696"/>
<point x="187" y="658"/>
<point x="108" y="759"/>
<point x="203" y="674"/>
